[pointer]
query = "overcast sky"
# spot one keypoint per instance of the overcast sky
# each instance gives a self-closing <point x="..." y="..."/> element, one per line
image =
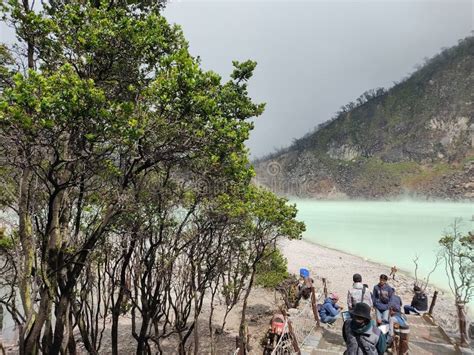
<point x="315" y="56"/>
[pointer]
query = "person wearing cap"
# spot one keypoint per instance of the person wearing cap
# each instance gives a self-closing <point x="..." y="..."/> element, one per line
<point x="419" y="303"/>
<point x="330" y="310"/>
<point x="381" y="297"/>
<point x="361" y="334"/>
<point x="358" y="293"/>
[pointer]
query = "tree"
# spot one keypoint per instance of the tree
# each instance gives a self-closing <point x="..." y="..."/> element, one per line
<point x="423" y="283"/>
<point x="267" y="219"/>
<point x="457" y="251"/>
<point x="125" y="165"/>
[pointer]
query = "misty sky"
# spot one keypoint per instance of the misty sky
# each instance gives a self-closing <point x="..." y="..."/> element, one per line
<point x="315" y="56"/>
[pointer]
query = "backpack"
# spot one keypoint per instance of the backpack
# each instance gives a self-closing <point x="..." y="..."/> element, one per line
<point x="354" y="301"/>
<point x="401" y="320"/>
<point x="365" y="343"/>
<point x="363" y="293"/>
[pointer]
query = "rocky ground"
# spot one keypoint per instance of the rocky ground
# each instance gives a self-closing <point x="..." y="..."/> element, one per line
<point x="457" y="186"/>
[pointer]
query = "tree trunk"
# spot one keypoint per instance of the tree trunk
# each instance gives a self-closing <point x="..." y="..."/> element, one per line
<point x="181" y="347"/>
<point x="115" y="320"/>
<point x="142" y="338"/>
<point x="196" y="327"/>
<point x="242" y="330"/>
<point x="31" y="342"/>
<point x="82" y="329"/>
<point x="25" y="234"/>
<point x="29" y="345"/>
<point x="47" y="339"/>
<point x="116" y="308"/>
<point x="211" y="314"/>
<point x="71" y="345"/>
<point x="61" y="321"/>
<point x="462" y="324"/>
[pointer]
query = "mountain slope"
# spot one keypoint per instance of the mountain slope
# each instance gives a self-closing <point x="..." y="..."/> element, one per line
<point x="416" y="138"/>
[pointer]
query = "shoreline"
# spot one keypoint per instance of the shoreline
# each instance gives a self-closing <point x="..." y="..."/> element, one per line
<point x="401" y="198"/>
<point x="400" y="271"/>
<point x="337" y="267"/>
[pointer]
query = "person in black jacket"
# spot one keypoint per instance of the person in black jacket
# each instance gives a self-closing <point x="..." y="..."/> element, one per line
<point x="419" y="302"/>
<point x="361" y="334"/>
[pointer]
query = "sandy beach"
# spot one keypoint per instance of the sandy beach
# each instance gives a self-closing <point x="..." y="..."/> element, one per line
<point x="338" y="267"/>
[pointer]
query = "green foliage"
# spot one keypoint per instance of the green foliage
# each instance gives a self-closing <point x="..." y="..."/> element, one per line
<point x="468" y="159"/>
<point x="393" y="126"/>
<point x="6" y="241"/>
<point x="265" y="215"/>
<point x="126" y="151"/>
<point x="6" y="64"/>
<point x="272" y="269"/>
<point x="428" y="174"/>
<point x="457" y="251"/>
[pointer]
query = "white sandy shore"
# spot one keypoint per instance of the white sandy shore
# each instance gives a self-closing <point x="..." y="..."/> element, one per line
<point x="338" y="267"/>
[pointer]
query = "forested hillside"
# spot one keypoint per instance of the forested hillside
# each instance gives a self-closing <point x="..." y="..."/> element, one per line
<point x="415" y="138"/>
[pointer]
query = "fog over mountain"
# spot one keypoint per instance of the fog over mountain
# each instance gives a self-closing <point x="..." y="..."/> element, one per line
<point x="315" y="56"/>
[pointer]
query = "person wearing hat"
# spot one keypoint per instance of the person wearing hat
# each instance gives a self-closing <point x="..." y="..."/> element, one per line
<point x="330" y="310"/>
<point x="361" y="334"/>
<point x="358" y="293"/>
<point x="419" y="303"/>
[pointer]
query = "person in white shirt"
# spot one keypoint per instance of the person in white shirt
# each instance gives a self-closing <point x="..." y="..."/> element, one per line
<point x="358" y="293"/>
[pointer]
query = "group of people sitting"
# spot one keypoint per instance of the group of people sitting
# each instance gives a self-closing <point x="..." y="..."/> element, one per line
<point x="364" y="335"/>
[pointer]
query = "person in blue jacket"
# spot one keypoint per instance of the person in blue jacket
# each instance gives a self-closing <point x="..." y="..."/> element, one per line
<point x="381" y="298"/>
<point x="330" y="310"/>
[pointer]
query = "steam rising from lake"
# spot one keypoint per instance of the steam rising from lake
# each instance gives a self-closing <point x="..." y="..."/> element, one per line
<point x="388" y="232"/>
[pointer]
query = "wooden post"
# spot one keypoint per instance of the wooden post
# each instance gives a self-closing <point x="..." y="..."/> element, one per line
<point x="237" y="348"/>
<point x="294" y="341"/>
<point x="403" y="342"/>
<point x="248" y="335"/>
<point x="433" y="302"/>
<point x="325" y="288"/>
<point x="315" y="307"/>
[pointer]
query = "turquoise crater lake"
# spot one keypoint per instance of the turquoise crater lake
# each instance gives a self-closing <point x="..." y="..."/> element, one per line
<point x="387" y="232"/>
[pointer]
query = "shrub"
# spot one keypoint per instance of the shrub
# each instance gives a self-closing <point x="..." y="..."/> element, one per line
<point x="272" y="269"/>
